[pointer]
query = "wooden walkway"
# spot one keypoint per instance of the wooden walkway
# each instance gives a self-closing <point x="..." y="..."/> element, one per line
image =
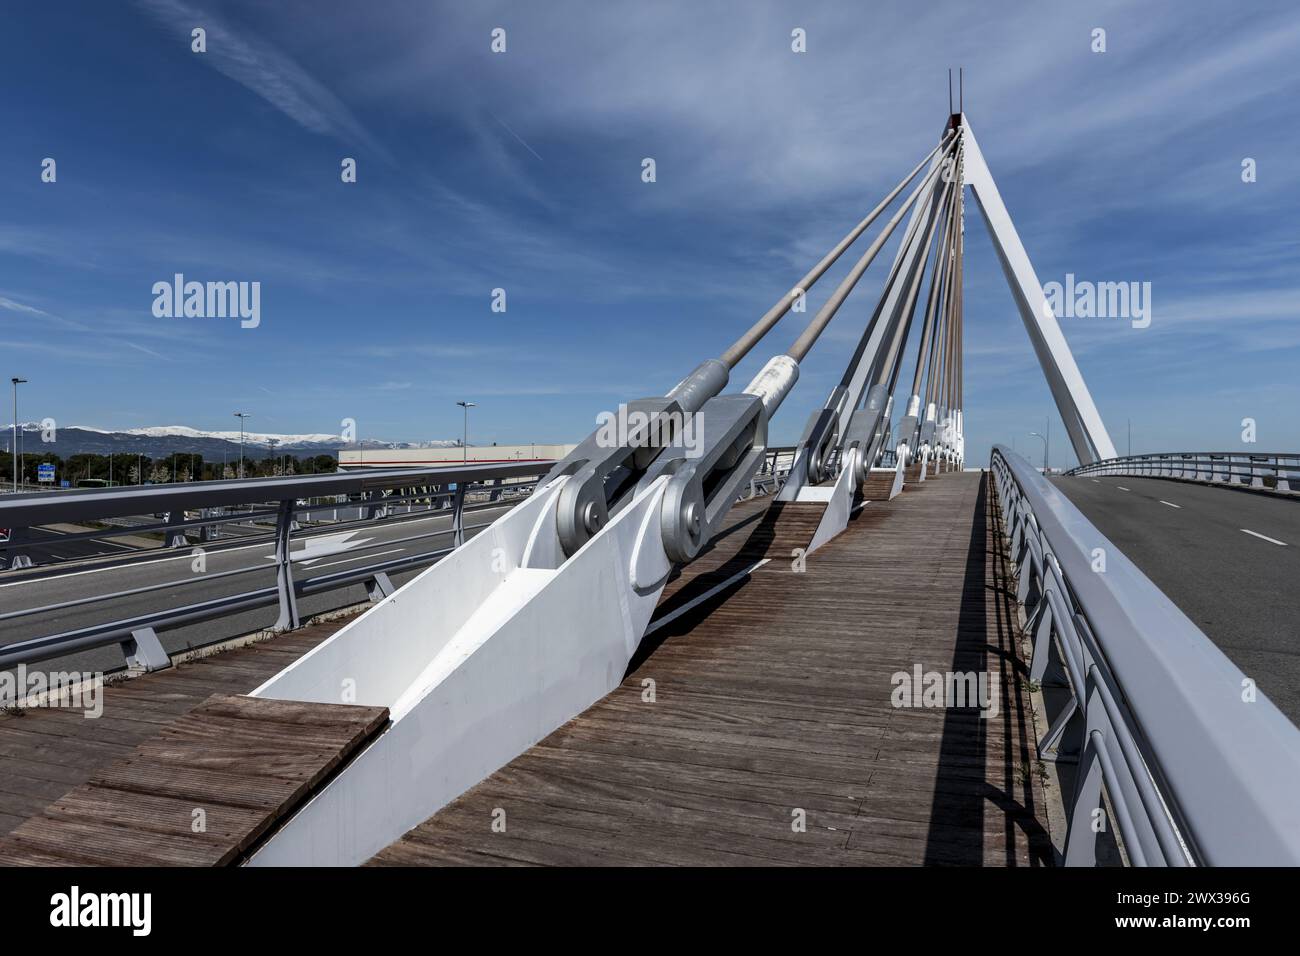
<point x="201" y="791"/>
<point x="758" y="728"/>
<point x="47" y="752"/>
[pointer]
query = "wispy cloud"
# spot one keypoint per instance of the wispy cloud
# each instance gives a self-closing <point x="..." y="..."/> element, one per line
<point x="268" y="72"/>
<point x="42" y="316"/>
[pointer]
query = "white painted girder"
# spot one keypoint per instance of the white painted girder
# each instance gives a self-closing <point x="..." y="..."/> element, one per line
<point x="1087" y="432"/>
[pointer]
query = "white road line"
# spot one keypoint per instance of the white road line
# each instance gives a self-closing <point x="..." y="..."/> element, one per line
<point x="317" y="567"/>
<point x="1265" y="537"/>
<point x="1169" y="503"/>
<point x="1121" y="488"/>
<point x="1094" y="481"/>
<point x="669" y="618"/>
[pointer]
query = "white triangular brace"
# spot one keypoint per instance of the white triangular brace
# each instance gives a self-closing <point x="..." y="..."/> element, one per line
<point x="1083" y="423"/>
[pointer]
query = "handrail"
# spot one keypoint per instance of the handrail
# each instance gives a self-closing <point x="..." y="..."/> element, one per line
<point x="1277" y="472"/>
<point x="90" y="504"/>
<point x="1199" y="767"/>
<point x="137" y="635"/>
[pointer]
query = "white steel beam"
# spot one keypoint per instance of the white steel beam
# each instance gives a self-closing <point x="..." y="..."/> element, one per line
<point x="1087" y="433"/>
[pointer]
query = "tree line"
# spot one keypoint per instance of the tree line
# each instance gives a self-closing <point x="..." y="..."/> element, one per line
<point x="131" y="469"/>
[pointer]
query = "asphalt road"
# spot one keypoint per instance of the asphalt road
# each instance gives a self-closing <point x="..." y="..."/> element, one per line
<point x="320" y="553"/>
<point x="1208" y="549"/>
<point x="54" y="546"/>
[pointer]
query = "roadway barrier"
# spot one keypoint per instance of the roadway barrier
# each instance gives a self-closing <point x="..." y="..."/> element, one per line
<point x="1199" y="768"/>
<point x="1264" y="471"/>
<point x="283" y="501"/>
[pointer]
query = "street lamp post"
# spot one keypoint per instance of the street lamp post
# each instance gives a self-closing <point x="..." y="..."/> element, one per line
<point x="464" y="442"/>
<point x="241" y="416"/>
<point x="16" y="382"/>
<point x="1036" y="435"/>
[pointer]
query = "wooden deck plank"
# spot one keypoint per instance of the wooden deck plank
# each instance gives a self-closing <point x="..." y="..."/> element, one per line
<point x="46" y="752"/>
<point x="266" y="759"/>
<point x="774" y="698"/>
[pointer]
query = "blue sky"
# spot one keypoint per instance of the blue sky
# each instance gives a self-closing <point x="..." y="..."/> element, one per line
<point x="522" y="171"/>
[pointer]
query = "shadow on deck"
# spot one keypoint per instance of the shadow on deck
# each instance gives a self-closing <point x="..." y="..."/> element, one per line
<point x="757" y="726"/>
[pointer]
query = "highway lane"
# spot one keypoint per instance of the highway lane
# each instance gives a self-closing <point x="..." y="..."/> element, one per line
<point x="324" y="553"/>
<point x="53" y="544"/>
<point x="1229" y="559"/>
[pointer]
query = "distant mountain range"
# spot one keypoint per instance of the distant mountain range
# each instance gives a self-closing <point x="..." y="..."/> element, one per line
<point x="162" y="440"/>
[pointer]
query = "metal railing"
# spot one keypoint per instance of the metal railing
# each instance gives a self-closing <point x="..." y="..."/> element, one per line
<point x="1197" y="766"/>
<point x="282" y="500"/>
<point x="1272" y="471"/>
<point x="771" y="474"/>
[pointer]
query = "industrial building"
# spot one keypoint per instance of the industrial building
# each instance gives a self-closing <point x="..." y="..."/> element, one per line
<point x="350" y="459"/>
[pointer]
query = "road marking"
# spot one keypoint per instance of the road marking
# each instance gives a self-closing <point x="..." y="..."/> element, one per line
<point x="669" y="618"/>
<point x="1094" y="481"/>
<point x="355" y="556"/>
<point x="1169" y="503"/>
<point x="1265" y="537"/>
<point x="1121" y="488"/>
<point x="323" y="545"/>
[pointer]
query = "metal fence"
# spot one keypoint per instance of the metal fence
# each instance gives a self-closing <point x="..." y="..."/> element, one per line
<point x="1279" y="472"/>
<point x="771" y="474"/>
<point x="280" y="505"/>
<point x="280" y="502"/>
<point x="1197" y="766"/>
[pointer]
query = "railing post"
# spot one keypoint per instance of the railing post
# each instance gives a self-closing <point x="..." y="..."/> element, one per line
<point x="143" y="650"/>
<point x="288" y="619"/>
<point x="1040" y="622"/>
<point x="1080" y="836"/>
<point x="458" y="515"/>
<point x="18" y="556"/>
<point x="376" y="508"/>
<point x="379" y="587"/>
<point x="175" y="537"/>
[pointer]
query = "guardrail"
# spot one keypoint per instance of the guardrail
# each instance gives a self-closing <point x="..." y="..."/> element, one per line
<point x="279" y="499"/>
<point x="1272" y="471"/>
<point x="1198" y="767"/>
<point x="771" y="474"/>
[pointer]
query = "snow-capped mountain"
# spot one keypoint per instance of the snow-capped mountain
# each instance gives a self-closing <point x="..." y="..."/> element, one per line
<point x="161" y="440"/>
<point x="253" y="438"/>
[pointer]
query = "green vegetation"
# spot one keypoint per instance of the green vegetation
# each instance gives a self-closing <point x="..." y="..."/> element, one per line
<point x="127" y="469"/>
